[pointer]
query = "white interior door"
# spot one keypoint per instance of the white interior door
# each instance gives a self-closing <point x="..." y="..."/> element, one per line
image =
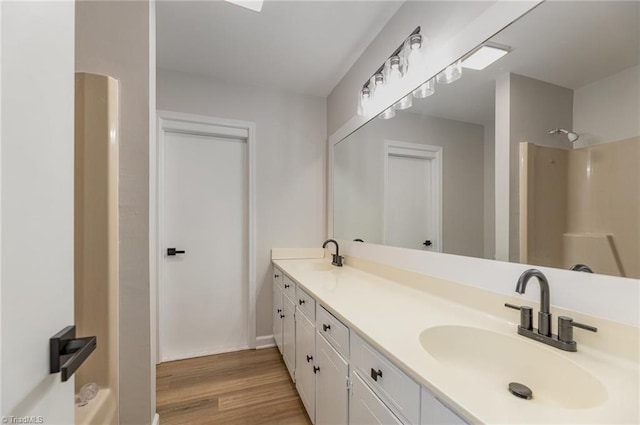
<point x="204" y="208"/>
<point x="36" y="207"/>
<point x="412" y="196"/>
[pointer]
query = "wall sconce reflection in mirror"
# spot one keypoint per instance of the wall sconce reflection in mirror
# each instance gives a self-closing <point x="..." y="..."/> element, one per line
<point x="67" y="353"/>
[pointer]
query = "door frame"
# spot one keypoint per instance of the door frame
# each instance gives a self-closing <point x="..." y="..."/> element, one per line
<point x="419" y="151"/>
<point x="168" y="121"/>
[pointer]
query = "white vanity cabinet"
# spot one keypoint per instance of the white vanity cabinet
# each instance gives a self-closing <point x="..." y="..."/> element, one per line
<point x="306" y="351"/>
<point x="341" y="378"/>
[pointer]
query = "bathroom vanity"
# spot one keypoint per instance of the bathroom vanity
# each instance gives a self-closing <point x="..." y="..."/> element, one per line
<point x="368" y="343"/>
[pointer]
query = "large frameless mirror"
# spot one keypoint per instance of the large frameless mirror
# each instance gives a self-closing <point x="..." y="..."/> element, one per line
<point x="531" y="155"/>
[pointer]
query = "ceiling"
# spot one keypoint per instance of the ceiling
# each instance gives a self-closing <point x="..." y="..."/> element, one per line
<point x="569" y="44"/>
<point x="301" y="46"/>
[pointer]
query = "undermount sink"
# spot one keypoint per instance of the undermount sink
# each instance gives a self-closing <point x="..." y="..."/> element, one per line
<point x="489" y="361"/>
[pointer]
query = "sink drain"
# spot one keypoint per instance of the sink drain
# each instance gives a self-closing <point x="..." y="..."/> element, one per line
<point x="520" y="390"/>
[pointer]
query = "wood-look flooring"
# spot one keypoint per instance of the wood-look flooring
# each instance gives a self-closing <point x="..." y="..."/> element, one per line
<point x="245" y="387"/>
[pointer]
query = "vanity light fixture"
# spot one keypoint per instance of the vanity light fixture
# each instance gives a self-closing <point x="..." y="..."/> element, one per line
<point x="485" y="56"/>
<point x="255" y="5"/>
<point x="379" y="90"/>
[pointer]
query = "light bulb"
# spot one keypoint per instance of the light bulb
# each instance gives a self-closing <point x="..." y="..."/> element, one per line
<point x="415" y="41"/>
<point x="425" y="90"/>
<point x="364" y="101"/>
<point x="387" y="114"/>
<point x="451" y="73"/>
<point x="404" y="103"/>
<point x="392" y="70"/>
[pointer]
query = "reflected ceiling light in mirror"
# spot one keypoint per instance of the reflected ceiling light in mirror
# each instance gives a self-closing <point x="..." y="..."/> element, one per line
<point x="255" y="5"/>
<point x="450" y="74"/>
<point x="425" y="90"/>
<point x="388" y="114"/>
<point x="404" y="103"/>
<point x="485" y="56"/>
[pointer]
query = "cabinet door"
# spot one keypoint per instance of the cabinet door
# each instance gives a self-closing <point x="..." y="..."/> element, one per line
<point x="289" y="335"/>
<point x="305" y="356"/>
<point x="436" y="413"/>
<point x="278" y="315"/>
<point x="365" y="408"/>
<point x="331" y="385"/>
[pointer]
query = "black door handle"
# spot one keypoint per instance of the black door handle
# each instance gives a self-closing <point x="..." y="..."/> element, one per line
<point x="427" y="243"/>
<point x="67" y="353"/>
<point x="173" y="251"/>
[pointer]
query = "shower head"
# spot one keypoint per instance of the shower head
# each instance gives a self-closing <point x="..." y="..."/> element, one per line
<point x="570" y="135"/>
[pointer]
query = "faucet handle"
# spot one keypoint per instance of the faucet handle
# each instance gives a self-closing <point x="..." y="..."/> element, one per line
<point x="526" y="315"/>
<point x="566" y="325"/>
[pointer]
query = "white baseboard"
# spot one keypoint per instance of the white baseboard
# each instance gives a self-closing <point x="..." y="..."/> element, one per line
<point x="265" y="342"/>
<point x="156" y="419"/>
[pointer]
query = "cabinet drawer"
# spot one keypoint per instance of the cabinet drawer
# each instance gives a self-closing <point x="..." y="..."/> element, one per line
<point x="277" y="277"/>
<point x="289" y="288"/>
<point x="306" y="304"/>
<point x="400" y="392"/>
<point x="333" y="330"/>
<point x="365" y="408"/>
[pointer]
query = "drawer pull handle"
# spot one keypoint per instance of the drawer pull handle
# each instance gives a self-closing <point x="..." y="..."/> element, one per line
<point x="286" y="286"/>
<point x="301" y="302"/>
<point x="326" y="327"/>
<point x="279" y="310"/>
<point x="276" y="276"/>
<point x="375" y="374"/>
<point x="282" y="316"/>
<point x="309" y="358"/>
<point x="316" y="369"/>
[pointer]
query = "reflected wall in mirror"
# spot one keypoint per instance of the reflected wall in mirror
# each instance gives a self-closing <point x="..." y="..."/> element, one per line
<point x="534" y="158"/>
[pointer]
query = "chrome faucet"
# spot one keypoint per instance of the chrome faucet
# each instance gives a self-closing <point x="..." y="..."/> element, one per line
<point x="337" y="259"/>
<point x="544" y="316"/>
<point x="564" y="339"/>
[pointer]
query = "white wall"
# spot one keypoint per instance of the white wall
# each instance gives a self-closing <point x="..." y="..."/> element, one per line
<point x="359" y="179"/>
<point x="607" y="110"/>
<point x="113" y="38"/>
<point x="291" y="143"/>
<point x="36" y="204"/>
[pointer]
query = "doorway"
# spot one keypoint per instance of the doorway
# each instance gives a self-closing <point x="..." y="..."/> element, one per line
<point x="413" y="177"/>
<point x="205" y="246"/>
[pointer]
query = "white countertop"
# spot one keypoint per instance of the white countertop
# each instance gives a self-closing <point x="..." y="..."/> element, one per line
<point x="391" y="316"/>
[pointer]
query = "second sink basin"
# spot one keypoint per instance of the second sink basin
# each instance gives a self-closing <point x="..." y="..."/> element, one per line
<point x="317" y="267"/>
<point x="489" y="361"/>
